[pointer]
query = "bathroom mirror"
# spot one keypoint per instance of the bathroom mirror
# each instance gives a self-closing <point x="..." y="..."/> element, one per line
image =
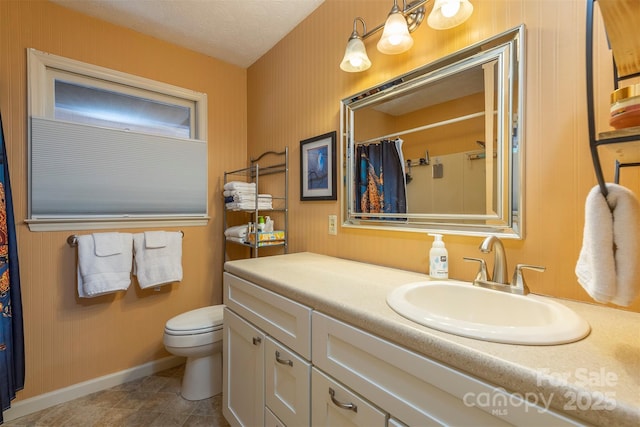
<point x="440" y="149"/>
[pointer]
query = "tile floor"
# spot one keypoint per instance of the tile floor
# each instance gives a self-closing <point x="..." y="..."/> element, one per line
<point x="152" y="401"/>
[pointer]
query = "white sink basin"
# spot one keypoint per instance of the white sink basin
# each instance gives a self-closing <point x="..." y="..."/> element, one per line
<point x="463" y="309"/>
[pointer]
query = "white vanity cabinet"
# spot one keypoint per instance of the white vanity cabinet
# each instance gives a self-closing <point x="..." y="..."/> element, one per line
<point x="242" y="360"/>
<point x="287" y="384"/>
<point x="275" y="389"/>
<point x="288" y="365"/>
<point x="335" y="405"/>
<point x="270" y="420"/>
<point x="413" y="389"/>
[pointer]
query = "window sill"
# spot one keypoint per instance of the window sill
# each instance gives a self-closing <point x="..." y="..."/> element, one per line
<point x="67" y="224"/>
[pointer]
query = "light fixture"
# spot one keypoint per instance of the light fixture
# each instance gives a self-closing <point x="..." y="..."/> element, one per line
<point x="400" y="23"/>
<point x="449" y="13"/>
<point x="395" y="37"/>
<point x="355" y="56"/>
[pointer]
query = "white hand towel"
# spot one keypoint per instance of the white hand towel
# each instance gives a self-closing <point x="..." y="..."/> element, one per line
<point x="158" y="266"/>
<point x="103" y="274"/>
<point x="608" y="267"/>
<point x="155" y="239"/>
<point x="107" y="243"/>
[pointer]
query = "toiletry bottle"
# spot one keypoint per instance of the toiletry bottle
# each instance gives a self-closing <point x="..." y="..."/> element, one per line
<point x="261" y="224"/>
<point x="268" y="224"/>
<point x="438" y="259"/>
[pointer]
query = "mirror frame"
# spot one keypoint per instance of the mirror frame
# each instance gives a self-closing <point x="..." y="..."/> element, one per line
<point x="507" y="49"/>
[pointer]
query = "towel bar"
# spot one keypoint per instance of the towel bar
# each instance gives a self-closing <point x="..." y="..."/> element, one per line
<point x="72" y="240"/>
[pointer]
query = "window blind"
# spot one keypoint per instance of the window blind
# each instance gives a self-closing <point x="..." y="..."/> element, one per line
<point x="86" y="171"/>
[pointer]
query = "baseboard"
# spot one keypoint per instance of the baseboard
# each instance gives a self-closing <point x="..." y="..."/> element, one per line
<point x="46" y="400"/>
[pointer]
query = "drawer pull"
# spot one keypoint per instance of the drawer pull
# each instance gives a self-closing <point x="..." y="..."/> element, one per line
<point x="349" y="406"/>
<point x="283" y="361"/>
<point x="257" y="340"/>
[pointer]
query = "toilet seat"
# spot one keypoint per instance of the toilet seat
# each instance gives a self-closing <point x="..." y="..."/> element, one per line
<point x="199" y="321"/>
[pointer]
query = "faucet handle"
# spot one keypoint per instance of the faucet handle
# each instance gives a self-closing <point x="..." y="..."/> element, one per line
<point x="482" y="271"/>
<point x="518" y="279"/>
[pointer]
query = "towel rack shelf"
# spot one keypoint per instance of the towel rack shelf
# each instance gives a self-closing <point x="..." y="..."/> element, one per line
<point x="625" y="143"/>
<point x="270" y="172"/>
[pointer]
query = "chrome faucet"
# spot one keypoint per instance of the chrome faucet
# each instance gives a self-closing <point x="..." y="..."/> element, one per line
<point x="499" y="259"/>
<point x="498" y="281"/>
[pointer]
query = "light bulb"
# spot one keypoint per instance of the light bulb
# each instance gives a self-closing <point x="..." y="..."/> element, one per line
<point x="355" y="56"/>
<point x="450" y="8"/>
<point x="395" y="36"/>
<point x="449" y="13"/>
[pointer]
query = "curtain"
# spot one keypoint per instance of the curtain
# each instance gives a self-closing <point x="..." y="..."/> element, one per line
<point x="11" y="330"/>
<point x="381" y="185"/>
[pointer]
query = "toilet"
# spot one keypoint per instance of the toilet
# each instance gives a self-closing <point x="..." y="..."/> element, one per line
<point x="197" y="335"/>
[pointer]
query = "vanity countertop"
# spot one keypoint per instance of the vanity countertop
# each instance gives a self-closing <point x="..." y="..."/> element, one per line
<point x="573" y="377"/>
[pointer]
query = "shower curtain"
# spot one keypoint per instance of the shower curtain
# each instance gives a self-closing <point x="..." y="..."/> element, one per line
<point x="381" y="186"/>
<point x="11" y="332"/>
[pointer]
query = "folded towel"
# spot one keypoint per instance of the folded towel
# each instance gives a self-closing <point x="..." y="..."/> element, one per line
<point x="608" y="267"/>
<point x="236" y="231"/>
<point x="243" y="198"/>
<point x="237" y="239"/>
<point x="248" y="205"/>
<point x="239" y="185"/>
<point x="155" y="239"/>
<point x="158" y="266"/>
<point x="102" y="274"/>
<point x="107" y="244"/>
<point x="247" y="192"/>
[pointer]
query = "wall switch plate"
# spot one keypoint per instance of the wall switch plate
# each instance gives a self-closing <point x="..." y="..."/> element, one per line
<point x="333" y="224"/>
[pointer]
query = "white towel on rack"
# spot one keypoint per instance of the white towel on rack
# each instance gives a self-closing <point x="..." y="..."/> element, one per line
<point x="233" y="193"/>
<point x="239" y="231"/>
<point x="239" y="185"/>
<point x="156" y="266"/>
<point x="104" y="263"/>
<point x="155" y="239"/>
<point x="107" y="244"/>
<point x="608" y="267"/>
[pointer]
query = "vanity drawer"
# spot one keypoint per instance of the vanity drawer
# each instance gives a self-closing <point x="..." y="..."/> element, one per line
<point x="335" y="405"/>
<point x="287" y="321"/>
<point x="417" y="390"/>
<point x="287" y="384"/>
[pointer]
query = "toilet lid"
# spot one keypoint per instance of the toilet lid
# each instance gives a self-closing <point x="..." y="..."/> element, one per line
<point x="198" y="321"/>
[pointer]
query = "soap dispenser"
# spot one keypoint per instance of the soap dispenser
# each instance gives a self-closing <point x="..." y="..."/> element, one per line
<point x="438" y="259"/>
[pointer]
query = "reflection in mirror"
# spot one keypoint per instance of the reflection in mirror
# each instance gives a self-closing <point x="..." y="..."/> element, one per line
<point x="439" y="148"/>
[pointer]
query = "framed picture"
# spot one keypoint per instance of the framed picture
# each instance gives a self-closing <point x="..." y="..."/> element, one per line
<point x="318" y="167"/>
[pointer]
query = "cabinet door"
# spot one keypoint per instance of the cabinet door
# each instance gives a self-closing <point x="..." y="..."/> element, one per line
<point x="243" y="372"/>
<point x="287" y="384"/>
<point x="335" y="405"/>
<point x="393" y="422"/>
<point x="270" y="420"/>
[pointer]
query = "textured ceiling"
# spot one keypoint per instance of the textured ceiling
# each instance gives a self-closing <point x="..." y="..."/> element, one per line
<point x="235" y="31"/>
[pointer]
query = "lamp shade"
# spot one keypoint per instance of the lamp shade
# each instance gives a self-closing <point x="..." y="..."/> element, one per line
<point x="395" y="37"/>
<point x="449" y="13"/>
<point x="355" y="56"/>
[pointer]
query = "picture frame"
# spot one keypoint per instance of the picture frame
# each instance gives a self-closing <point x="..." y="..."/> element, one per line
<point x="318" y="167"/>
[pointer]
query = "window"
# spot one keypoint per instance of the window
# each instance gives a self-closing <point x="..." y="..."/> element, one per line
<point x="108" y="149"/>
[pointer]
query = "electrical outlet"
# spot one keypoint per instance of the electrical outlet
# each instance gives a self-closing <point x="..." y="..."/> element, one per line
<point x="333" y="224"/>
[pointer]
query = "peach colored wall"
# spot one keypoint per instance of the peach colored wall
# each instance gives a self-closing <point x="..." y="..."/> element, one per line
<point x="69" y="340"/>
<point x="292" y="93"/>
<point x="295" y="90"/>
